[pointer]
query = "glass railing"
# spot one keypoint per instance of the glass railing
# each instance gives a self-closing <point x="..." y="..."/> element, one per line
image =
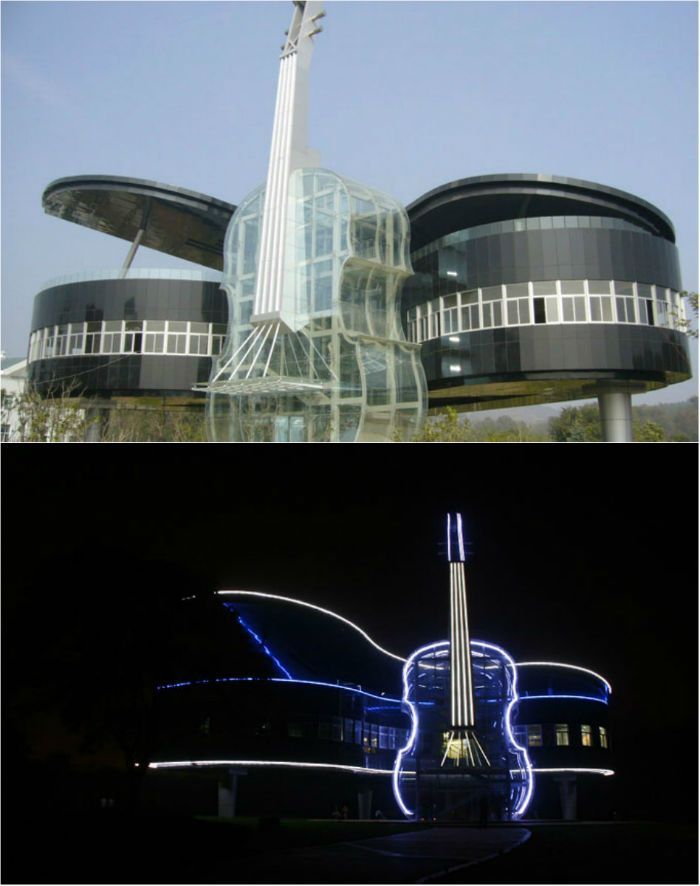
<point x="205" y="275"/>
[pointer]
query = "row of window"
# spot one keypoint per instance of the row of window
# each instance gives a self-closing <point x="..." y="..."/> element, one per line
<point x="551" y="301"/>
<point x="173" y="337"/>
<point x="371" y="736"/>
<point x="562" y="735"/>
<point x="542" y="223"/>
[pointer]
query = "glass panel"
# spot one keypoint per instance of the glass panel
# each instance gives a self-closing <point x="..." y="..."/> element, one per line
<point x="491" y="293"/>
<point x="548" y="287"/>
<point x="552" y="310"/>
<point x="624" y="288"/>
<point x="599" y="286"/>
<point x="516" y="290"/>
<point x="571" y="287"/>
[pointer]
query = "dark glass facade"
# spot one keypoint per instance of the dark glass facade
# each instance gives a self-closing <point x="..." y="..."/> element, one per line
<point x="533" y="288"/>
<point x="94" y="334"/>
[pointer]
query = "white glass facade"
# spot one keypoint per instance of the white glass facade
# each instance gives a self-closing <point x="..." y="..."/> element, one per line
<point x="547" y="302"/>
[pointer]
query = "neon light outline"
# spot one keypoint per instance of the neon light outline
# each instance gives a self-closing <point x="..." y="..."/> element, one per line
<point x="559" y="664"/>
<point x="605" y="772"/>
<point x="519" y="664"/>
<point x="582" y="697"/>
<point x="173" y="764"/>
<point x="414" y="726"/>
<point x="162" y="686"/>
<point x="319" y="609"/>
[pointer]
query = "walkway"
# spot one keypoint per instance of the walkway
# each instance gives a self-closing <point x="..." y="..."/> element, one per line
<point x="412" y="857"/>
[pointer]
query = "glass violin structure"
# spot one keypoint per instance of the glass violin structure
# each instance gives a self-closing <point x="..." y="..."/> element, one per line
<point x="313" y="268"/>
<point x="461" y="760"/>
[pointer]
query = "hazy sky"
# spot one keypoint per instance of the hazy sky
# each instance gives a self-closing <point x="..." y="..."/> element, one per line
<point x="405" y="96"/>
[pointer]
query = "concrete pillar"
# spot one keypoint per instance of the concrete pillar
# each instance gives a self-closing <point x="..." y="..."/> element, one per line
<point x="616" y="416"/>
<point x="228" y="791"/>
<point x="567" y="796"/>
<point x="364" y="803"/>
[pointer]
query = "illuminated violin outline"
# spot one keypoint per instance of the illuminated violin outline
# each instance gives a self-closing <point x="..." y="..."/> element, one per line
<point x="463" y="749"/>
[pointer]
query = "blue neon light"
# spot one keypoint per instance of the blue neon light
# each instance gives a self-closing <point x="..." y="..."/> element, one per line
<point x="258" y="640"/>
<point x="553" y="695"/>
<point x="396" y="701"/>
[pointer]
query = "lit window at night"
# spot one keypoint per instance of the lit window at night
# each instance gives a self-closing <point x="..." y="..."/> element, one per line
<point x="561" y="731"/>
<point x="603" y="732"/>
<point x="534" y="736"/>
<point x="586" y="738"/>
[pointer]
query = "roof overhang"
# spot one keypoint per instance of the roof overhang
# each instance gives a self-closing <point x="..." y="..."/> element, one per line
<point x="176" y="221"/>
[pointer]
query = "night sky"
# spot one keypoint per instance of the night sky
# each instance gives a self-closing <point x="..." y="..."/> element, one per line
<point x="589" y="559"/>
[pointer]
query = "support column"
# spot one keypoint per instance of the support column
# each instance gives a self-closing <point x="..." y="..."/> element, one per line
<point x="364" y="803"/>
<point x="567" y="797"/>
<point x="228" y="792"/>
<point x="132" y="252"/>
<point x="616" y="416"/>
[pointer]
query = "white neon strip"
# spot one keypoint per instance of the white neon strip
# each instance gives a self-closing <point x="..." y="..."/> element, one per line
<point x="593" y="771"/>
<point x="449" y="547"/>
<point x="580" y="697"/>
<point x="559" y="664"/>
<point x="467" y="649"/>
<point x="319" y="609"/>
<point x="461" y="539"/>
<point x="182" y="764"/>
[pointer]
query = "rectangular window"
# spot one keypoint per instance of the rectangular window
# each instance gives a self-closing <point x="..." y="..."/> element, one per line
<point x="155" y="343"/>
<point x="624" y="288"/>
<point x="547" y="287"/>
<point x="337" y="729"/>
<point x="552" y="305"/>
<point x="572" y="287"/>
<point x="599" y="287"/>
<point x="518" y="312"/>
<point x="561" y="732"/>
<point x="470" y="317"/>
<point x="586" y="736"/>
<point x="493" y="313"/>
<point x="534" y="736"/>
<point x="540" y="316"/>
<point x="517" y="290"/>
<point x="348" y="730"/>
<point x="490" y="293"/>
<point x="603" y="733"/>
<point x="176" y="344"/>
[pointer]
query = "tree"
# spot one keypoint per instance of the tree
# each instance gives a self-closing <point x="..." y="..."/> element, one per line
<point x="648" y="432"/>
<point x="576" y="424"/>
<point x="446" y="427"/>
<point x="56" y="417"/>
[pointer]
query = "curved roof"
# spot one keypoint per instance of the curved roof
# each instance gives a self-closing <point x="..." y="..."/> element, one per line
<point x="483" y="199"/>
<point x="178" y="222"/>
<point x="312" y="643"/>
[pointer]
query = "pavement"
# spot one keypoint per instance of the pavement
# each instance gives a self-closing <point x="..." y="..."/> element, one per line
<point x="412" y="857"/>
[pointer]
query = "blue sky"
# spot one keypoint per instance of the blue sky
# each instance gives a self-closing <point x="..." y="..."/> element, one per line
<point x="405" y="96"/>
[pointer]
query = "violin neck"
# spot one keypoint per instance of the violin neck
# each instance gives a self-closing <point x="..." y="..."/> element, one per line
<point x="461" y="691"/>
<point x="274" y="302"/>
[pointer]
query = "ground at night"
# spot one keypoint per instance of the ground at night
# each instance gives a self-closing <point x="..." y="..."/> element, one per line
<point x="110" y="848"/>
